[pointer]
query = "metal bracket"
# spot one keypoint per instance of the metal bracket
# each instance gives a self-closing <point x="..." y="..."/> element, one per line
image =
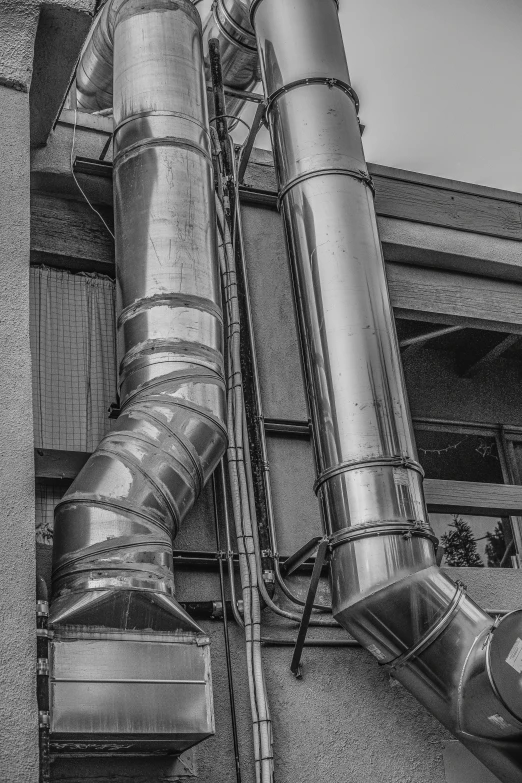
<point x="293" y="562"/>
<point x="106" y="147"/>
<point x="42" y="609"/>
<point x="114" y="410"/>
<point x="295" y="666"/>
<point x="258" y="120"/>
<point x="440" y="552"/>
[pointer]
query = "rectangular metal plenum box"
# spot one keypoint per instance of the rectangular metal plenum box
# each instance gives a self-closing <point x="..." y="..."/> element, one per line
<point x="129" y="692"/>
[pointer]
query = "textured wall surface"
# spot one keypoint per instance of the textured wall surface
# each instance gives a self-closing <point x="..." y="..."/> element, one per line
<point x="17" y="36"/>
<point x="18" y="710"/>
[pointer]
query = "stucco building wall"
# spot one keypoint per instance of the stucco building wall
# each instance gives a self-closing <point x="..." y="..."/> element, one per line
<point x="18" y="711"/>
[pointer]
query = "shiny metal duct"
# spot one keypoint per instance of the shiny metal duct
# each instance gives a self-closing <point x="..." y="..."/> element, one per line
<point x="387" y="590"/>
<point x="112" y="560"/>
<point x="229" y="23"/>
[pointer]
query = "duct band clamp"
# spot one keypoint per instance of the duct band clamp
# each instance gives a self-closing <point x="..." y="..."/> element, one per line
<point x="344" y="467"/>
<point x="329" y="81"/>
<point x="163" y="141"/>
<point x="255" y="5"/>
<point x="361" y="176"/>
<point x="432" y="633"/>
<point x="219" y="5"/>
<point x="382" y="528"/>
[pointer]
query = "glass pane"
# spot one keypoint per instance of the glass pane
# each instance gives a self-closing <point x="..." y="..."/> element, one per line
<point x="474" y="541"/>
<point x="455" y="457"/>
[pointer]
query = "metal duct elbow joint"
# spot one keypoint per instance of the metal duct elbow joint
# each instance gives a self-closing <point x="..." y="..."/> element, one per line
<point x="387" y="589"/>
<point x="113" y="581"/>
<point x="228" y="22"/>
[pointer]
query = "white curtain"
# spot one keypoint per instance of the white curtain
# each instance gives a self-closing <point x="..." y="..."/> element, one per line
<point x="74" y="370"/>
<point x="74" y="360"/>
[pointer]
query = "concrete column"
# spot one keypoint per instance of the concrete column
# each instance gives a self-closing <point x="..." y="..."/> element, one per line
<point x="18" y="708"/>
<point x="63" y="25"/>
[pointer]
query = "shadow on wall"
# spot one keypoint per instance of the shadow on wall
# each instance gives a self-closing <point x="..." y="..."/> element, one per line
<point x="461" y="766"/>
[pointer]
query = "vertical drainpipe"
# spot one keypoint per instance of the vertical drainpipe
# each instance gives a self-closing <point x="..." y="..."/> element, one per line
<point x="114" y="528"/>
<point x="386" y="587"/>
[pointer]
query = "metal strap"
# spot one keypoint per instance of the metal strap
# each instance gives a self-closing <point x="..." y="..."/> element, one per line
<point x="328" y="81"/>
<point x="344" y="467"/>
<point x="382" y="528"/>
<point x="103" y="549"/>
<point x="432" y="633"/>
<point x="172" y="300"/>
<point x="163" y="141"/>
<point x="160" y="113"/>
<point x="129" y="681"/>
<point x="361" y="176"/>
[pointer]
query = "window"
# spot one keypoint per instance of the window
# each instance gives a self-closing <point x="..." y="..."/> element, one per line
<point x="465" y="465"/>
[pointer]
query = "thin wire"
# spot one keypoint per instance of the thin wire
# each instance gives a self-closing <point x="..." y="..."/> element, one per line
<point x="231" y="117"/>
<point x="74" y="175"/>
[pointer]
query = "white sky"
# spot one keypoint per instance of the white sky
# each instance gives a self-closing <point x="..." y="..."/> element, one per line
<point x="440" y="85"/>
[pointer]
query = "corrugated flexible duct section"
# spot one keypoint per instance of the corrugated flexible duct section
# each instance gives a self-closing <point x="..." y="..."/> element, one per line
<point x="112" y="562"/>
<point x="387" y="589"/>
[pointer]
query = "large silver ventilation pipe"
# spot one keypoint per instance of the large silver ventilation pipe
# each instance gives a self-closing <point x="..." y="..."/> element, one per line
<point x="112" y="561"/>
<point x="228" y="21"/>
<point x="387" y="589"/>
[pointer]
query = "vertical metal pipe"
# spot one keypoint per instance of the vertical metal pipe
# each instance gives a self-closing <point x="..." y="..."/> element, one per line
<point x="114" y="527"/>
<point x="386" y="588"/>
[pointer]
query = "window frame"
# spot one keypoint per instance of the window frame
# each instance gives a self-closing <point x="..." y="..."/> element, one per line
<point x="480" y="499"/>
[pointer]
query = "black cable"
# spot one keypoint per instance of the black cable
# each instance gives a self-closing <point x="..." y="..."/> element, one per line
<point x="42" y="678"/>
<point x="220" y="556"/>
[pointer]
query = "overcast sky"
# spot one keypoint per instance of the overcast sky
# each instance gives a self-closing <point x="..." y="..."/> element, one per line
<point x="440" y="84"/>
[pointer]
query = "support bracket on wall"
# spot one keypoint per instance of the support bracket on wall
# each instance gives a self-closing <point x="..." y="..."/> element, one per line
<point x="298" y="558"/>
<point x="295" y="666"/>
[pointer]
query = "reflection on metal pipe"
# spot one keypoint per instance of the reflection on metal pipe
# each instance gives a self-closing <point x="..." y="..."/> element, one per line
<point x="229" y="23"/>
<point x="387" y="590"/>
<point x="112" y="566"/>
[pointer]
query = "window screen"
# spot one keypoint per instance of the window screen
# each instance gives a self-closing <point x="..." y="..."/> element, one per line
<point x="73" y="352"/>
